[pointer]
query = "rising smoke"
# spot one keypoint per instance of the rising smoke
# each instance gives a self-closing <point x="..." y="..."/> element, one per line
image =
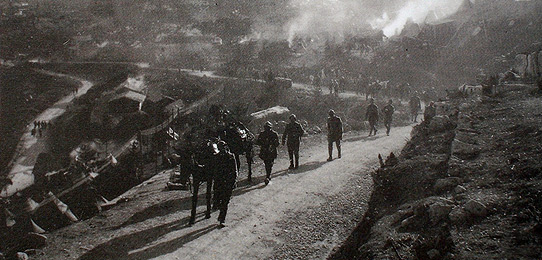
<point x="338" y="18"/>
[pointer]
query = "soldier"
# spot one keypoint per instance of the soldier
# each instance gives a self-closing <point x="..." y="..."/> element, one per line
<point x="268" y="140"/>
<point x="224" y="180"/>
<point x="415" y="106"/>
<point x="318" y="83"/>
<point x="293" y="133"/>
<point x="429" y="113"/>
<point x="372" y="116"/>
<point x="334" y="134"/>
<point x="388" y="115"/>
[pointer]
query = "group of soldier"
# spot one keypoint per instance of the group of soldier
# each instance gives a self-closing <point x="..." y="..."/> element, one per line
<point x="39" y="127"/>
<point x="269" y="141"/>
<point x="373" y="116"/>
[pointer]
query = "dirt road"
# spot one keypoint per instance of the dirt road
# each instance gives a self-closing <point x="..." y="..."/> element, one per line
<point x="302" y="214"/>
<point x="202" y="73"/>
<point x="30" y="146"/>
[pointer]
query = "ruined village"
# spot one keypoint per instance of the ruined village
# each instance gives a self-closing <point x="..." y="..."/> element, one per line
<point x="271" y="129"/>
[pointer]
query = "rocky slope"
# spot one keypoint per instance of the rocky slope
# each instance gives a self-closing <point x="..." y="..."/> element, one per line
<point x="465" y="186"/>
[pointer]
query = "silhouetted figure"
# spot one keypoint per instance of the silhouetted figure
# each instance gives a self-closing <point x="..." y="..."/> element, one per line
<point x="292" y="137"/>
<point x="415" y="106"/>
<point x="372" y="116"/>
<point x="334" y="134"/>
<point x="225" y="180"/>
<point x="268" y="140"/>
<point x="387" y="111"/>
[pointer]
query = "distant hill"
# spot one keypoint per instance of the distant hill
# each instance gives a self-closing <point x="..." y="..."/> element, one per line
<point x="484" y="35"/>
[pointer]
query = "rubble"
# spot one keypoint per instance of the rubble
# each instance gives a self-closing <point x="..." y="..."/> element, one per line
<point x="465" y="151"/>
<point x="457" y="215"/>
<point x="476" y="208"/>
<point x="22" y="256"/>
<point x="459" y="189"/>
<point x="439" y="211"/>
<point x="446" y="184"/>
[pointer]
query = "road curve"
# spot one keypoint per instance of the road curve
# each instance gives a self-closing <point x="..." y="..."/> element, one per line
<point x="29" y="147"/>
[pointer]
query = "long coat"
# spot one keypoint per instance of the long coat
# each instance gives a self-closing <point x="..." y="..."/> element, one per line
<point x="372" y="113"/>
<point x="335" y="128"/>
<point x="292" y="133"/>
<point x="226" y="170"/>
<point x="268" y="140"/>
<point x="388" y="112"/>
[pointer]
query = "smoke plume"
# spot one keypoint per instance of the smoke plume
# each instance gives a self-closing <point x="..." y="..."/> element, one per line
<point x="334" y="19"/>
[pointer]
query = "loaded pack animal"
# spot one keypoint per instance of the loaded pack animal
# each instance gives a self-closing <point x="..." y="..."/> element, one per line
<point x="200" y="166"/>
<point x="207" y="165"/>
<point x="200" y="156"/>
<point x="238" y="137"/>
<point x="240" y="141"/>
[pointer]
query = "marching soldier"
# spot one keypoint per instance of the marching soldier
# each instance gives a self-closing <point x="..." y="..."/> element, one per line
<point x="334" y="134"/>
<point x="268" y="140"/>
<point x="225" y="180"/>
<point x="372" y="116"/>
<point x="388" y="115"/>
<point x="415" y="106"/>
<point x="292" y="136"/>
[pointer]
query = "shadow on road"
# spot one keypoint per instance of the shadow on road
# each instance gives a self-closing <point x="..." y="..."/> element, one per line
<point x="172" y="245"/>
<point x="365" y="138"/>
<point x="161" y="209"/>
<point x="119" y="248"/>
<point x="185" y="203"/>
<point x="309" y="166"/>
<point x="244" y="184"/>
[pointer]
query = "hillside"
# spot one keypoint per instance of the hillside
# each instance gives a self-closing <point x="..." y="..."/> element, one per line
<point x="483" y="36"/>
<point x="464" y="187"/>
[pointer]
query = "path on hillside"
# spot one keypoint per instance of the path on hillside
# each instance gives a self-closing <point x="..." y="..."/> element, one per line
<point x="153" y="221"/>
<point x="29" y="147"/>
<point x="202" y="73"/>
<point x="212" y="74"/>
